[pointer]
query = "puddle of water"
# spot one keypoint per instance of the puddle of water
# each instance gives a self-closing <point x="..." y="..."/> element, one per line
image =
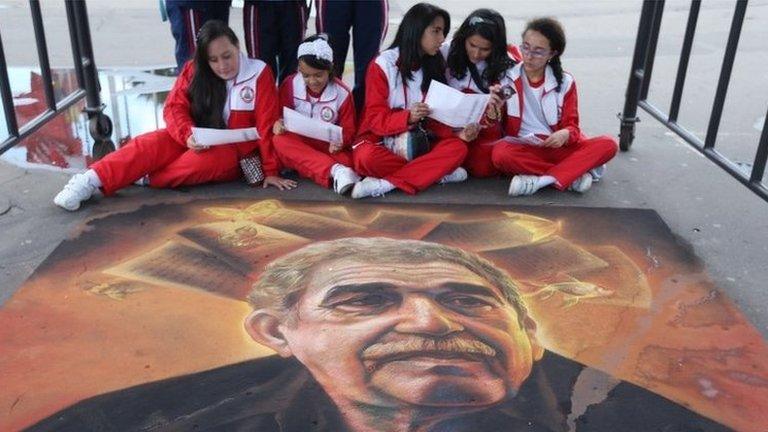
<point x="133" y="99"/>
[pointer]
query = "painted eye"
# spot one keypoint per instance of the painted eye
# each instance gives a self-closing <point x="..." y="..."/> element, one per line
<point x="466" y="302"/>
<point x="364" y="303"/>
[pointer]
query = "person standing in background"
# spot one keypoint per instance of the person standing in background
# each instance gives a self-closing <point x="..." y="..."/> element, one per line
<point x="186" y="17"/>
<point x="273" y="31"/>
<point x="368" y="20"/>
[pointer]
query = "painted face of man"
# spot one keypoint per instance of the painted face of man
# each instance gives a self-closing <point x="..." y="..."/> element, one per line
<point x="433" y="334"/>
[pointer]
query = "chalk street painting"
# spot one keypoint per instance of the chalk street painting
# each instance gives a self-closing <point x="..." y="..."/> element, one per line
<point x="300" y="316"/>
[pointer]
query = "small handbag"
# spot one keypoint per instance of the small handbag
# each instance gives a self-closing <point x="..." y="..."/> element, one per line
<point x="253" y="173"/>
<point x="412" y="143"/>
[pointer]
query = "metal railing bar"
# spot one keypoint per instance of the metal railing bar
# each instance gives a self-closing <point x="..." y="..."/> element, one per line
<point x="735" y="171"/>
<point x="661" y="116"/>
<point x="91" y="79"/>
<point x="725" y="74"/>
<point x="628" y="115"/>
<point x="42" y="53"/>
<point x="711" y="154"/>
<point x="685" y="55"/>
<point x="650" y="54"/>
<point x="758" y="167"/>
<point x="6" y="95"/>
<point x="39" y="121"/>
<point x="77" y="58"/>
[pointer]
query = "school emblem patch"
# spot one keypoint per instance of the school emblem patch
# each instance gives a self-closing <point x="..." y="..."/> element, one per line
<point x="327" y="113"/>
<point x="247" y="94"/>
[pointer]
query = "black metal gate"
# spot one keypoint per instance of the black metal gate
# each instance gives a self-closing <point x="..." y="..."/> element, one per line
<point x="87" y="79"/>
<point x="640" y="79"/>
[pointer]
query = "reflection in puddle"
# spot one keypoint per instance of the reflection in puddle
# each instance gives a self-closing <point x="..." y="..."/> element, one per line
<point x="133" y="100"/>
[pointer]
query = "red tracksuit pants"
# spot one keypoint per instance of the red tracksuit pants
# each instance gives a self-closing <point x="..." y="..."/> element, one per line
<point x="375" y="160"/>
<point x="565" y="164"/>
<point x="310" y="157"/>
<point x="478" y="162"/>
<point x="168" y="163"/>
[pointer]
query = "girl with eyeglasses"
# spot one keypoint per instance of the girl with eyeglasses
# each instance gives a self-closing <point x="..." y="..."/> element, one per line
<point x="477" y="61"/>
<point x="220" y="88"/>
<point x="545" y="106"/>
<point x="396" y="84"/>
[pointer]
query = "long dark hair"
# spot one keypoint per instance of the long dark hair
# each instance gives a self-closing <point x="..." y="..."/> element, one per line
<point x="553" y="31"/>
<point x="207" y="92"/>
<point x="489" y="25"/>
<point x="408" y="40"/>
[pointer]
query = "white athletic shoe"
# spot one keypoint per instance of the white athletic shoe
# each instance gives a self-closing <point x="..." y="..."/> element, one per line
<point x="344" y="178"/>
<point x="458" y="175"/>
<point x="143" y="182"/>
<point x="523" y="185"/>
<point x="598" y="173"/>
<point x="371" y="186"/>
<point x="77" y="190"/>
<point x="581" y="184"/>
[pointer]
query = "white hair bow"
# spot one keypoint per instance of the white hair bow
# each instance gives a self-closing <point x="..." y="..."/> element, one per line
<point x="318" y="48"/>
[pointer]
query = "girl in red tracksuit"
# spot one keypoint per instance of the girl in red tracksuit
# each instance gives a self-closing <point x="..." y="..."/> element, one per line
<point x="315" y="93"/>
<point x="220" y="88"/>
<point x="544" y="103"/>
<point x="396" y="83"/>
<point x="477" y="60"/>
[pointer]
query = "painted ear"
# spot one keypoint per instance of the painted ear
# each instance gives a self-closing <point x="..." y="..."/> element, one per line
<point x="537" y="351"/>
<point x="263" y="326"/>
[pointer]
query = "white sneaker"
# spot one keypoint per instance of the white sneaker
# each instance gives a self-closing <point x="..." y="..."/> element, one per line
<point x="458" y="175"/>
<point x="344" y="178"/>
<point x="597" y="173"/>
<point x="523" y="185"/>
<point x="371" y="186"/>
<point x="143" y="182"/>
<point x="581" y="184"/>
<point x="77" y="190"/>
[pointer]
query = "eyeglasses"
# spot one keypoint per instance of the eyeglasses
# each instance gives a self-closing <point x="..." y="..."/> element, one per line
<point x="535" y="53"/>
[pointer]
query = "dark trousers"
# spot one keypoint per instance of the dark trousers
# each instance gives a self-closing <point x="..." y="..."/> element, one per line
<point x="186" y="18"/>
<point x="273" y="32"/>
<point x="368" y="21"/>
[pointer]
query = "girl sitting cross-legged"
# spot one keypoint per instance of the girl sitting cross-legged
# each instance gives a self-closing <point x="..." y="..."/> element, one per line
<point x="396" y="84"/>
<point x="544" y="106"/>
<point x="315" y="93"/>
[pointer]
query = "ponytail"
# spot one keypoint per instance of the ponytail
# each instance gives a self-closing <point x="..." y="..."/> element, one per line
<point x="557" y="70"/>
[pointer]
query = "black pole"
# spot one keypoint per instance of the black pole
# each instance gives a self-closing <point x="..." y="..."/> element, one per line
<point x="100" y="125"/>
<point x="42" y="53"/>
<point x="6" y="95"/>
<point x="629" y="114"/>
<point x="650" y="54"/>
<point x="685" y="55"/>
<point x="725" y="74"/>
<point x="77" y="58"/>
<point x="758" y="168"/>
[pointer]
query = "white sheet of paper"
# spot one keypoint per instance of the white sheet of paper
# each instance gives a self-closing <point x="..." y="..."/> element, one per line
<point x="454" y="108"/>
<point x="298" y="123"/>
<point x="213" y="137"/>
<point x="529" y="139"/>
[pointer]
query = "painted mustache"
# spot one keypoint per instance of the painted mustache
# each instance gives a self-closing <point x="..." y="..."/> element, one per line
<point x="433" y="347"/>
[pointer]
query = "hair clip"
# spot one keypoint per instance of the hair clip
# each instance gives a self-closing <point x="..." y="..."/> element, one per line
<point x="475" y="20"/>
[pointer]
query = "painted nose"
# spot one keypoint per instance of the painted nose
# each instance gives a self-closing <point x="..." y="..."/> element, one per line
<point x="423" y="316"/>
